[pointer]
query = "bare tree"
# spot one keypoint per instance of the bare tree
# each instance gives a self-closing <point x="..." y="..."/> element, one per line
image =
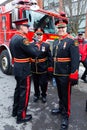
<point x="76" y="11"/>
<point x="5" y="2"/>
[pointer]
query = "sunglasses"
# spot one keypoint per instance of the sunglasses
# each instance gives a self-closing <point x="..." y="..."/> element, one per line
<point x="60" y="27"/>
<point x="26" y="25"/>
<point x="40" y="34"/>
<point x="33" y="3"/>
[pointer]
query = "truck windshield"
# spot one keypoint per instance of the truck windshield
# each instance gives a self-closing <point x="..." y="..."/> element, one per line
<point x="38" y="19"/>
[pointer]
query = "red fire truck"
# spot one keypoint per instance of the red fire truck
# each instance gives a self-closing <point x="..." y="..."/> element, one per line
<point x="36" y="17"/>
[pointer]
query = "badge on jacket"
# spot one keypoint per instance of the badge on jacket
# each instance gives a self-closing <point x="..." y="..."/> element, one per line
<point x="43" y="48"/>
<point x="64" y="46"/>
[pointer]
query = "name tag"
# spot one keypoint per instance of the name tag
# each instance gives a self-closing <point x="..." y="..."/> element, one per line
<point x="43" y="48"/>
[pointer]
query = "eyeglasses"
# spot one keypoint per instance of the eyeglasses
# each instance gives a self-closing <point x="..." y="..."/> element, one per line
<point x="33" y="3"/>
<point x="40" y="34"/>
<point x="60" y="27"/>
<point x="25" y="25"/>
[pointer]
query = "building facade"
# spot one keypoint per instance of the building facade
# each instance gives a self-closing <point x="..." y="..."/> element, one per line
<point x="76" y="10"/>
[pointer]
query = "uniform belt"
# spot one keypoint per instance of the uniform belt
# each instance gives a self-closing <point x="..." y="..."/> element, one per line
<point x="39" y="60"/>
<point x="22" y="60"/>
<point x="62" y="59"/>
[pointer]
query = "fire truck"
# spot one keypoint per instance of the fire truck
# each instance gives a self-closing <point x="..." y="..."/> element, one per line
<point x="36" y="18"/>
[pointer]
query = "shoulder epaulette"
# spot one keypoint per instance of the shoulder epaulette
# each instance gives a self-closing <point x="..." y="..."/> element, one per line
<point x="26" y="41"/>
<point x="76" y="42"/>
<point x="70" y="36"/>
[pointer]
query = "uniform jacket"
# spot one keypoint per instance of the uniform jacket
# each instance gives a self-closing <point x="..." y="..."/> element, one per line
<point x="44" y="62"/>
<point x="82" y="49"/>
<point x="22" y="51"/>
<point x="66" y="56"/>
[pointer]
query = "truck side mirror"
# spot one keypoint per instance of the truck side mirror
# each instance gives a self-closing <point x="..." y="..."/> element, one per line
<point x="13" y="26"/>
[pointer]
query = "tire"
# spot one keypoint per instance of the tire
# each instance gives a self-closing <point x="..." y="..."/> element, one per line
<point x="5" y="63"/>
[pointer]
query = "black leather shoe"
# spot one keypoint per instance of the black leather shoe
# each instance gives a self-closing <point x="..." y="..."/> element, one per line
<point x="26" y="119"/>
<point x="85" y="81"/>
<point x="35" y="99"/>
<point x="14" y="113"/>
<point x="56" y="111"/>
<point x="64" y="124"/>
<point x="44" y="99"/>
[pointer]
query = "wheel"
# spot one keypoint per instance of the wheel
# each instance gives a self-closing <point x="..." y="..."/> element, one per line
<point x="5" y="63"/>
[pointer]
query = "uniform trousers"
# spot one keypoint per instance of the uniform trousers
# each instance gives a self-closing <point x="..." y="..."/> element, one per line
<point x="21" y="96"/>
<point x="40" y="82"/>
<point x="64" y="94"/>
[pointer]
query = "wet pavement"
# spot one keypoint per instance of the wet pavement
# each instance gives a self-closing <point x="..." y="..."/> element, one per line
<point x="42" y="118"/>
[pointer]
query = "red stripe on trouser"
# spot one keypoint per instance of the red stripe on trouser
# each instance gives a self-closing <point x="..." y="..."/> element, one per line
<point x="27" y="95"/>
<point x="69" y="98"/>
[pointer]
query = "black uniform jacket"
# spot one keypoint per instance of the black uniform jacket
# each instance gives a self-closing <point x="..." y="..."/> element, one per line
<point x="66" y="56"/>
<point x="44" y="61"/>
<point x="22" y="51"/>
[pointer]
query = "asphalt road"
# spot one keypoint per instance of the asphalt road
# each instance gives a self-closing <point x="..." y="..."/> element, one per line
<point x="42" y="118"/>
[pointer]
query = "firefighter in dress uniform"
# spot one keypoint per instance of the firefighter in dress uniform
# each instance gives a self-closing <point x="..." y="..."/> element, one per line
<point x="66" y="64"/>
<point x="22" y="51"/>
<point x="41" y="67"/>
<point x="83" y="53"/>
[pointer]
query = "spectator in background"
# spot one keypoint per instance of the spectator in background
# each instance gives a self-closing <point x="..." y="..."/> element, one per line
<point x="83" y="53"/>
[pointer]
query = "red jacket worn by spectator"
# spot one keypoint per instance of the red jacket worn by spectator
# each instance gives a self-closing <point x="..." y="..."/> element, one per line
<point x="82" y="49"/>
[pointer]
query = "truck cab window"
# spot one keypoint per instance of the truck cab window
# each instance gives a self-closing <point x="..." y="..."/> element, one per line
<point x="38" y="19"/>
<point x="15" y="14"/>
<point x="3" y="22"/>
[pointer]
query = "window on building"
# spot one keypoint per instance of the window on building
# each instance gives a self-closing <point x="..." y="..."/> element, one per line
<point x="49" y="4"/>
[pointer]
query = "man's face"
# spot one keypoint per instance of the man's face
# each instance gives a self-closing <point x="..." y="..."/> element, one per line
<point x="61" y="30"/>
<point x="24" y="29"/>
<point x="80" y="36"/>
